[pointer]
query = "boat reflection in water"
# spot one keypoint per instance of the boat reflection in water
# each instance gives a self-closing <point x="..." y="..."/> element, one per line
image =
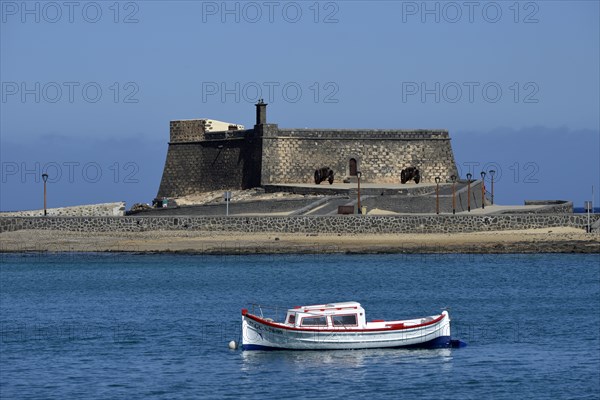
<point x="346" y="359"/>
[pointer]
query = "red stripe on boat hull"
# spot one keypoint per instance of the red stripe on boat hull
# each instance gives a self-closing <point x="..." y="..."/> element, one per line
<point x="394" y="327"/>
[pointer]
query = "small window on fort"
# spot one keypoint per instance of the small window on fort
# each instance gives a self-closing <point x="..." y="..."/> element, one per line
<point x="352" y="167"/>
<point x="292" y="319"/>
<point x="314" y="321"/>
<point x="343" y="320"/>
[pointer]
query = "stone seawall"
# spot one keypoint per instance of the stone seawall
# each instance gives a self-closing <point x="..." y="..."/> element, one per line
<point x="557" y="206"/>
<point x="96" y="210"/>
<point x="302" y="224"/>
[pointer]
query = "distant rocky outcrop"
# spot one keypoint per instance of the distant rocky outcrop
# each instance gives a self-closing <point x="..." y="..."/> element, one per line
<point x="139" y="207"/>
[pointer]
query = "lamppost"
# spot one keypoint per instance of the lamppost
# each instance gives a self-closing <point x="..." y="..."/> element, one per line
<point x="588" y="207"/>
<point x="492" y="173"/>
<point x="469" y="176"/>
<point x="437" y="194"/>
<point x="453" y="177"/>
<point x="45" y="179"/>
<point x="482" y="189"/>
<point x="227" y="198"/>
<point x="358" y="175"/>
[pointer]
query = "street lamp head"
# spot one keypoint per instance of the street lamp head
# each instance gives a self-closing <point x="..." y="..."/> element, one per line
<point x="437" y="179"/>
<point x="44" y="177"/>
<point x="453" y="178"/>
<point x="358" y="174"/>
<point x="482" y="174"/>
<point x="469" y="176"/>
<point x="492" y="172"/>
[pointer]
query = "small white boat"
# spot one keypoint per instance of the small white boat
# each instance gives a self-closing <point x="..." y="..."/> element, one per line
<point x="342" y="326"/>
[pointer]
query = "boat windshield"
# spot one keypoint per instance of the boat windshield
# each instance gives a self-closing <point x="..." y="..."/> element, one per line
<point x="314" y="321"/>
<point x="344" y="320"/>
<point x="291" y="319"/>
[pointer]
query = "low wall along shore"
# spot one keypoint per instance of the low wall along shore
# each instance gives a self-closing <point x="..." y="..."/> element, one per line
<point x="356" y="224"/>
<point x="100" y="210"/>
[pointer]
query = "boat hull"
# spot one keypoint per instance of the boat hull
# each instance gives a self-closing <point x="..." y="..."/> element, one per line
<point x="259" y="334"/>
<point x="441" y="342"/>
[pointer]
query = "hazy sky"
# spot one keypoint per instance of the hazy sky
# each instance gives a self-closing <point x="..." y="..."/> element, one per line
<point x="89" y="88"/>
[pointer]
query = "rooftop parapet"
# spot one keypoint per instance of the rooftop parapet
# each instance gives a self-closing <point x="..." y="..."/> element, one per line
<point x="195" y="130"/>
<point x="224" y="135"/>
<point x="362" y="134"/>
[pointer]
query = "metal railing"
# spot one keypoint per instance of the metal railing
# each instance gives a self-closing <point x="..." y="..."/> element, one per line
<point x="255" y="307"/>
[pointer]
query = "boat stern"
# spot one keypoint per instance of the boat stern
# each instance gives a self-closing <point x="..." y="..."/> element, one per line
<point x="443" y="337"/>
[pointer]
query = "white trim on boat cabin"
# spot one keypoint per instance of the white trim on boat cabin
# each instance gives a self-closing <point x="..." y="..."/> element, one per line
<point x="333" y="315"/>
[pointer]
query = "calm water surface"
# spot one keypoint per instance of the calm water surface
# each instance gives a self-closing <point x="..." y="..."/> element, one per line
<point x="157" y="326"/>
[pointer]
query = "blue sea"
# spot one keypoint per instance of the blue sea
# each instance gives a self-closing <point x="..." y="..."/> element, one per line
<point x="127" y="326"/>
<point x="582" y="210"/>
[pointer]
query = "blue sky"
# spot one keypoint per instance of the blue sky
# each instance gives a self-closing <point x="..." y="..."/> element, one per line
<point x="89" y="88"/>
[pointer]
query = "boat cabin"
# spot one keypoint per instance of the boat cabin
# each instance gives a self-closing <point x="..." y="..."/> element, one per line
<point x="334" y="315"/>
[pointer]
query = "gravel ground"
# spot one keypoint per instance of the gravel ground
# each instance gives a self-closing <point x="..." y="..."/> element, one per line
<point x="551" y="240"/>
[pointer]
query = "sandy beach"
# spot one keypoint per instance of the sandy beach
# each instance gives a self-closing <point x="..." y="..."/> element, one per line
<point x="550" y="240"/>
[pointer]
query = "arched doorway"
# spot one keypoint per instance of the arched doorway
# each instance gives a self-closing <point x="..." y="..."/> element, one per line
<point x="352" y="166"/>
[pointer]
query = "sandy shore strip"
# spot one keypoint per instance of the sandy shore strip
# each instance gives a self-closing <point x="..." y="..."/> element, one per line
<point x="548" y="240"/>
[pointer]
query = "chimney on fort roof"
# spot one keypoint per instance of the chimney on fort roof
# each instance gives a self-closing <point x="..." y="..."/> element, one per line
<point x="261" y="112"/>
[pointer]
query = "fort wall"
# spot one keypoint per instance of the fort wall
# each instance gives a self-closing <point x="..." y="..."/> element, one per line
<point x="186" y="131"/>
<point x="222" y="160"/>
<point x="292" y="155"/>
<point x="200" y="159"/>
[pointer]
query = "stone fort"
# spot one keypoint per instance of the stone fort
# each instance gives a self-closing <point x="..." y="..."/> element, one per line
<point x="202" y="158"/>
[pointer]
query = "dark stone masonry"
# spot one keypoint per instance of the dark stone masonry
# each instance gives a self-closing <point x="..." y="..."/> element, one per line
<point x="219" y="163"/>
<point x="199" y="160"/>
<point x="302" y="224"/>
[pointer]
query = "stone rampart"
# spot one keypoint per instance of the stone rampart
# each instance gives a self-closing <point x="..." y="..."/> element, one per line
<point x="228" y="160"/>
<point x="202" y="159"/>
<point x="191" y="130"/>
<point x="359" y="134"/>
<point x="292" y="155"/>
